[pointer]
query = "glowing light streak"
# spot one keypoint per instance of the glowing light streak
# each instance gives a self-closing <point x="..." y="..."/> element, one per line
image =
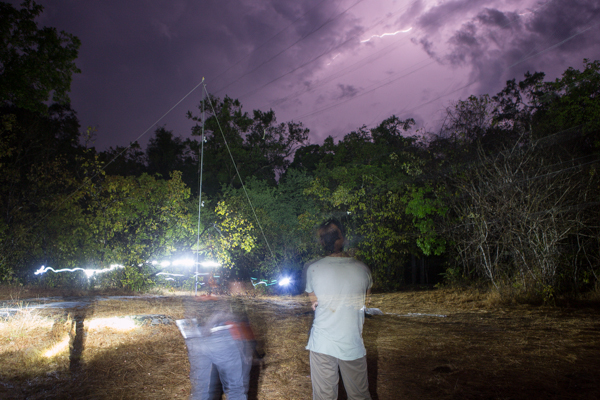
<point x="58" y="347"/>
<point x="386" y="34"/>
<point x="88" y="272"/>
<point x="185" y="262"/>
<point x="262" y="282"/>
<point x="121" y="324"/>
<point x="210" y="263"/>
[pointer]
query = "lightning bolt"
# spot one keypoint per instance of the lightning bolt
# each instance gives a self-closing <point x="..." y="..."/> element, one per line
<point x="386" y="34"/>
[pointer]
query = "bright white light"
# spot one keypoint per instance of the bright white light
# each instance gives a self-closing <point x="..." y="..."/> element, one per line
<point x="121" y="324"/>
<point x="88" y="272"/>
<point x="210" y="263"/>
<point x="185" y="262"/>
<point x="165" y="263"/>
<point x="58" y="347"/>
<point x="168" y="274"/>
<point x="386" y="34"/>
<point x="285" y="282"/>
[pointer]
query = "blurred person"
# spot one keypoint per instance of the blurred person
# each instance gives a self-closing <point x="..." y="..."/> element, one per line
<point x="220" y="346"/>
<point x="337" y="286"/>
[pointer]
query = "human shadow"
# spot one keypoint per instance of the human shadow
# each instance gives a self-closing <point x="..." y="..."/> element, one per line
<point x="78" y="335"/>
<point x="371" y="330"/>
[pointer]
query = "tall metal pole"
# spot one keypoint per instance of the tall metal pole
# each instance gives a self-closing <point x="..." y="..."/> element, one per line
<point x="200" y="194"/>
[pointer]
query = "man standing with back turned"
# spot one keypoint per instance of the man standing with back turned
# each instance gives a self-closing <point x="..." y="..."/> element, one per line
<point x="337" y="286"/>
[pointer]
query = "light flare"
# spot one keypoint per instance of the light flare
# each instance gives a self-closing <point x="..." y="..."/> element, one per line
<point x="285" y="282"/>
<point x="58" y="347"/>
<point x="121" y="324"/>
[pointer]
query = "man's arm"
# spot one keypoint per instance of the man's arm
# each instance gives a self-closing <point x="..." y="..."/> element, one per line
<point x="313" y="300"/>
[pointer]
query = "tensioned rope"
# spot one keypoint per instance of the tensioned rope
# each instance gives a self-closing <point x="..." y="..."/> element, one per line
<point x="237" y="171"/>
<point x="89" y="180"/>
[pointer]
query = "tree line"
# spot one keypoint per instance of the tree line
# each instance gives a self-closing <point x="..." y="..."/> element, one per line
<point x="505" y="194"/>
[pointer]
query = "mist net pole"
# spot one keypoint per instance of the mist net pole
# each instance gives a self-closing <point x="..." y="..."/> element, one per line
<point x="200" y="195"/>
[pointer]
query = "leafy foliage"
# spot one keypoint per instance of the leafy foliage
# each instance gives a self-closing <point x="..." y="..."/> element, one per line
<point x="34" y="63"/>
<point x="260" y="147"/>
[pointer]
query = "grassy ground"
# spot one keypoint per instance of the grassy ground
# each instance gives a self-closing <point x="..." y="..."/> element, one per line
<point x="479" y="350"/>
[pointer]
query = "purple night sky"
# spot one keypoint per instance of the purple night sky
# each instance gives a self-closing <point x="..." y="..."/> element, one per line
<point x="333" y="65"/>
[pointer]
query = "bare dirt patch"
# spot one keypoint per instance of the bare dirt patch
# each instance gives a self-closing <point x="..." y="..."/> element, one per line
<point x="476" y="350"/>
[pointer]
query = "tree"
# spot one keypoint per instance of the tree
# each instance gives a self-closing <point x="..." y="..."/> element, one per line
<point x="166" y="153"/>
<point x="124" y="161"/>
<point x="307" y="158"/>
<point x="41" y="158"/>
<point x="363" y="180"/>
<point x="252" y="146"/>
<point x="42" y="162"/>
<point x="277" y="212"/>
<point x="515" y="212"/>
<point x="128" y="221"/>
<point x="36" y="65"/>
<point x="572" y="101"/>
<point x="520" y="214"/>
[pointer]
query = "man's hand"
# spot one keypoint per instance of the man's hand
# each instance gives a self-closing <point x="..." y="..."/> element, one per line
<point x="314" y="305"/>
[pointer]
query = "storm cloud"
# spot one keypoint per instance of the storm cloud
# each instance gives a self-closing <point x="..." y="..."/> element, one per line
<point x="497" y="44"/>
<point x="333" y="65"/>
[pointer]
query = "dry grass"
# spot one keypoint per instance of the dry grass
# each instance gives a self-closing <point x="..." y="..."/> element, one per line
<point x="482" y="349"/>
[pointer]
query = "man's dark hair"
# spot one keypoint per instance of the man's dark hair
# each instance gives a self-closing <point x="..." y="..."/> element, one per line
<point x="331" y="234"/>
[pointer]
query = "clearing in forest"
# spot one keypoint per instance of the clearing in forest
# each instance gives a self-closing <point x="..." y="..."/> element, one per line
<point x="436" y="344"/>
